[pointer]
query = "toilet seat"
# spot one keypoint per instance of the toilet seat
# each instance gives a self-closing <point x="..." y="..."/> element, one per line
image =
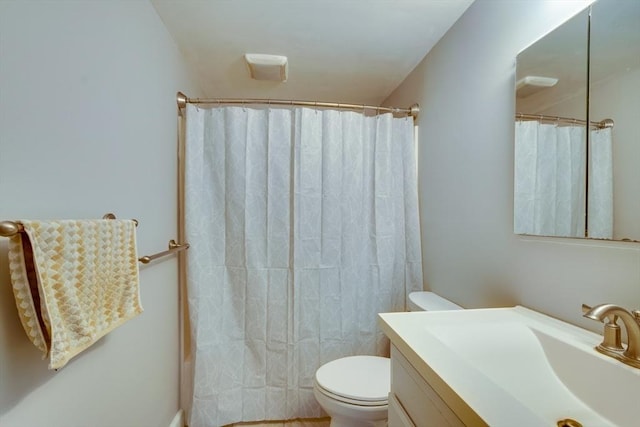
<point x="357" y="380"/>
<point x="354" y="402"/>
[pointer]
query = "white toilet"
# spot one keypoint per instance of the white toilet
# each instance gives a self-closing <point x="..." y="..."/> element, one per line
<point x="354" y="390"/>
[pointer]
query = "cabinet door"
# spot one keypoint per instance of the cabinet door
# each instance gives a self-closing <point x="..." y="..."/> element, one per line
<point x="421" y="403"/>
<point x="397" y="416"/>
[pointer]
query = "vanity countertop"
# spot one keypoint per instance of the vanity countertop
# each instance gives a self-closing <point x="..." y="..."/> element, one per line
<point x="509" y="366"/>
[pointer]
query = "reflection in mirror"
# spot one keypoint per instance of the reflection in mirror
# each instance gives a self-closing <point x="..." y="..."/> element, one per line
<point x="550" y="147"/>
<point x="615" y="93"/>
<point x="564" y="185"/>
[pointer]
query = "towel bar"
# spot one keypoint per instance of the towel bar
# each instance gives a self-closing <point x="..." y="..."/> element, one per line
<point x="11" y="228"/>
<point x="173" y="247"/>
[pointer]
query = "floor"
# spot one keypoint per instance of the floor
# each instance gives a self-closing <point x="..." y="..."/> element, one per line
<point x="315" y="422"/>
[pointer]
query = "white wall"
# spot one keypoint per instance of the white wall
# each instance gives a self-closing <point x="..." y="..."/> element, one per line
<point x="465" y="88"/>
<point x="88" y="126"/>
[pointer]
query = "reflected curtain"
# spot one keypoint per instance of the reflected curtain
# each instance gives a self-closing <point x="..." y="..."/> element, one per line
<point x="303" y="225"/>
<point x="600" y="191"/>
<point x="550" y="179"/>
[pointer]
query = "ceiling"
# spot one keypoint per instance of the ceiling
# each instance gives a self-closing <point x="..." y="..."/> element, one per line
<point x="350" y="51"/>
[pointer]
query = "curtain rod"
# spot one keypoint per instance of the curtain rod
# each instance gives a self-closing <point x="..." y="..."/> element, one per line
<point x="603" y="124"/>
<point x="183" y="100"/>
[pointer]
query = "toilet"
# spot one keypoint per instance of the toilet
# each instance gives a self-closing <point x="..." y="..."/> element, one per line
<point x="354" y="390"/>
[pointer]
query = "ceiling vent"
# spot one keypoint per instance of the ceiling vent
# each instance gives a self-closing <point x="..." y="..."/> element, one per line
<point x="267" y="67"/>
<point x="531" y="84"/>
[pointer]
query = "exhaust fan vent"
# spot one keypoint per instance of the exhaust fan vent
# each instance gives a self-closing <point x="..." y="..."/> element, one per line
<point x="531" y="84"/>
<point x="267" y="67"/>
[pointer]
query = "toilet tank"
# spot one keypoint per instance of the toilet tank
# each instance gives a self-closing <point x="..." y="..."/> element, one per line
<point x="428" y="301"/>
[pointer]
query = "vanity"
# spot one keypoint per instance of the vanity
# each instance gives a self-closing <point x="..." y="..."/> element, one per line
<point x="414" y="402"/>
<point x="503" y="367"/>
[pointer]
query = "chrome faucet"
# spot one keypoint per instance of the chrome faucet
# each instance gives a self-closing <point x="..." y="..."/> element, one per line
<point x="631" y="322"/>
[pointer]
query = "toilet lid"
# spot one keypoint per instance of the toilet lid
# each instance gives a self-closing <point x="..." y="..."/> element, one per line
<point x="363" y="378"/>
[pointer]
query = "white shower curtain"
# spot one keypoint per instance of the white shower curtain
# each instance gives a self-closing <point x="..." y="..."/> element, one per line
<point x="303" y="226"/>
<point x="600" y="192"/>
<point x="550" y="181"/>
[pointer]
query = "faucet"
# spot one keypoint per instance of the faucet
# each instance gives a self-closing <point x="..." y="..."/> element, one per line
<point x="631" y="321"/>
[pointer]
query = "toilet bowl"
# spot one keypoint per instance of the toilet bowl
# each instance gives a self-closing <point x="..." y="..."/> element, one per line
<point x="354" y="390"/>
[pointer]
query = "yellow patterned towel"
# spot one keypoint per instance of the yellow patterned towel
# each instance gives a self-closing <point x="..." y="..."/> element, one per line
<point x="74" y="281"/>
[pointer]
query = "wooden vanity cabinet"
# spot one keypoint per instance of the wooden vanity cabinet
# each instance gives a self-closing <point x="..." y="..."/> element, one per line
<point x="412" y="402"/>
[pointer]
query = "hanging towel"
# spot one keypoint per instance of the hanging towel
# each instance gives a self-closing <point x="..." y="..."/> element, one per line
<point x="74" y="281"/>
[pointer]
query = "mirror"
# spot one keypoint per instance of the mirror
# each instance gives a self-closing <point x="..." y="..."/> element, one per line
<point x="614" y="69"/>
<point x="577" y="162"/>
<point x="550" y="155"/>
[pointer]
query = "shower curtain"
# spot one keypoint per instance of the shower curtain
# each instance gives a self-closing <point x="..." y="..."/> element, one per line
<point x="303" y="225"/>
<point x="600" y="191"/>
<point x="550" y="179"/>
<point x="551" y="185"/>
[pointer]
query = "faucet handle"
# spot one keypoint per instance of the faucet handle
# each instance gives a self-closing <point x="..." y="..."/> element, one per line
<point x="612" y="334"/>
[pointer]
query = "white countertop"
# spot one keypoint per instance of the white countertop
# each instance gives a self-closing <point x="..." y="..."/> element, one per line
<point x="505" y="382"/>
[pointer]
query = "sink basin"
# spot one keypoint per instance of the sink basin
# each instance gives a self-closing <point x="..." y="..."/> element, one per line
<point x="514" y="366"/>
<point x="607" y="386"/>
